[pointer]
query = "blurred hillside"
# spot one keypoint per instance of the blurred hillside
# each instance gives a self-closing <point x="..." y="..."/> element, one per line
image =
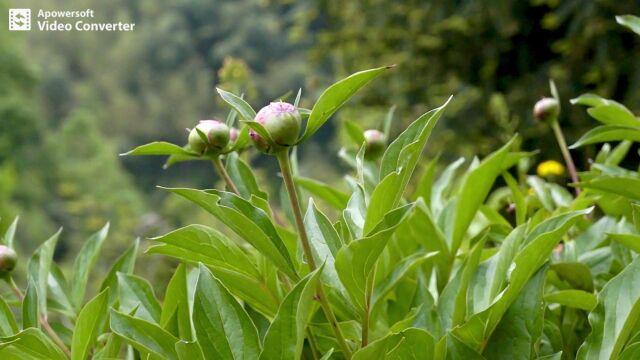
<point x="70" y="102"/>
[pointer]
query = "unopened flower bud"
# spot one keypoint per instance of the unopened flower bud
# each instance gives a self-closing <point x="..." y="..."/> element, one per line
<point x="217" y="135"/>
<point x="375" y="142"/>
<point x="8" y="260"/>
<point x="282" y="121"/>
<point x="546" y="109"/>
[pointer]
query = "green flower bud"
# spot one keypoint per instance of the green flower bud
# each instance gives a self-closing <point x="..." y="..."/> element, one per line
<point x="546" y="110"/>
<point x="216" y="132"/>
<point x="376" y="143"/>
<point x="282" y="121"/>
<point x="8" y="260"/>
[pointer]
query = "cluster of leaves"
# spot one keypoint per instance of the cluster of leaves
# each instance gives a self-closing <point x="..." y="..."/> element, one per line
<point x="485" y="262"/>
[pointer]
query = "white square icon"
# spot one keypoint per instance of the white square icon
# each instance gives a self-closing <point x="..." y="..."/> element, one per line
<point x="19" y="19"/>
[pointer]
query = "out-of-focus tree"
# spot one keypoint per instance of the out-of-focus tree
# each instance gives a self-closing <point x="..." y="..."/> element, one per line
<point x="493" y="55"/>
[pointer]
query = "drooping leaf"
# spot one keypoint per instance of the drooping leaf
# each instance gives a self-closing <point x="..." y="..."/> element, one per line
<point x="223" y="328"/>
<point x="335" y="96"/>
<point x="160" y="148"/>
<point x="236" y="269"/>
<point x="631" y="241"/>
<point x="285" y="337"/>
<point x="30" y="344"/>
<point x="90" y="322"/>
<point x="608" y="133"/>
<point x="84" y="263"/>
<point x="144" y="336"/>
<point x="628" y="187"/>
<point x="248" y="221"/>
<point x="30" y="309"/>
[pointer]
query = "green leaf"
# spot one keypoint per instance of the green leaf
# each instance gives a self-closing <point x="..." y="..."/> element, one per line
<point x="592" y="100"/>
<point x="325" y="244"/>
<point x="335" y="96"/>
<point x="243" y="177"/>
<point x="31" y="344"/>
<point x="9" y="235"/>
<point x="578" y="299"/>
<point x="398" y="164"/>
<point x="8" y="324"/>
<point x="631" y="352"/>
<point x="30" y="311"/>
<point x="614" y="115"/>
<point x="631" y="241"/>
<point x="189" y="350"/>
<point x="90" y="322"/>
<point x="242" y="107"/>
<point x="176" y="301"/>
<point x="136" y="295"/>
<point x="538" y="245"/>
<point x="355" y="261"/>
<point x="474" y="189"/>
<point x="248" y="221"/>
<point x="125" y="265"/>
<point x="84" y="263"/>
<point x="355" y="131"/>
<point x="518" y="332"/>
<point x="615" y="316"/>
<point x="330" y="194"/>
<point x="411" y="343"/>
<point x="231" y="265"/>
<point x="223" y="328"/>
<point x="39" y="266"/>
<point x="607" y="133"/>
<point x="629" y="21"/>
<point x="160" y="148"/>
<point x="628" y="187"/>
<point x="576" y="274"/>
<point x="285" y="337"/>
<point x="144" y="336"/>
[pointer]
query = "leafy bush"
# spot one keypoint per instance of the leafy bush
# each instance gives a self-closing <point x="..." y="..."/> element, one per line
<point x="487" y="262"/>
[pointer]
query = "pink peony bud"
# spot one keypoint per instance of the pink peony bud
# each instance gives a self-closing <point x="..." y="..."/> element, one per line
<point x="546" y="109"/>
<point x="217" y="134"/>
<point x="375" y="144"/>
<point x="282" y="121"/>
<point x="8" y="260"/>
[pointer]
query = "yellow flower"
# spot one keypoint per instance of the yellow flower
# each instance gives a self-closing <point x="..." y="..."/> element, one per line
<point x="550" y="168"/>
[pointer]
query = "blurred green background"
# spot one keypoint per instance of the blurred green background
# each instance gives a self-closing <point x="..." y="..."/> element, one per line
<point x="70" y="102"/>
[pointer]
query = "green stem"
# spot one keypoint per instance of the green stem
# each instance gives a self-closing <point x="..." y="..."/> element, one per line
<point x="42" y="318"/>
<point x="565" y="152"/>
<point x="217" y="163"/>
<point x="285" y="168"/>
